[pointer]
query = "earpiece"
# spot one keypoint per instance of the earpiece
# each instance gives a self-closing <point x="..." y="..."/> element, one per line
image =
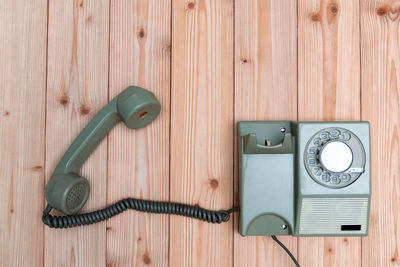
<point x="137" y="107"/>
<point x="67" y="191"/>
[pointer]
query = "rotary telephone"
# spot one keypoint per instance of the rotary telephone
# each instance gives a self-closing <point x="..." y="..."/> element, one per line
<point x="306" y="178"/>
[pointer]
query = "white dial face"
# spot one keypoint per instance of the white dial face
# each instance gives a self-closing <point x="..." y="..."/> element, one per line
<point x="336" y="156"/>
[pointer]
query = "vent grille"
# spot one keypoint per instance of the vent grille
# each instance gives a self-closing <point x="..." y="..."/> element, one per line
<point x="327" y="215"/>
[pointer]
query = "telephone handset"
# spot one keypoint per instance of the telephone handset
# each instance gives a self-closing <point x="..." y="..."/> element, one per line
<point x="67" y="191"/>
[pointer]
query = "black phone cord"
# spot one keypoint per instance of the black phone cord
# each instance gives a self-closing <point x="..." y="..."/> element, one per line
<point x="286" y="249"/>
<point x="139" y="205"/>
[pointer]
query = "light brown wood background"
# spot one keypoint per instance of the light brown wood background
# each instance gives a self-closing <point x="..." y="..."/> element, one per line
<point x="211" y="64"/>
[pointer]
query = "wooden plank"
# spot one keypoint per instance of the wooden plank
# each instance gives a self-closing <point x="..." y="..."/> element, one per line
<point x="265" y="89"/>
<point x="329" y="89"/>
<point x="23" y="29"/>
<point x="201" y="129"/>
<point x="380" y="74"/>
<point x="77" y="87"/>
<point x="139" y="160"/>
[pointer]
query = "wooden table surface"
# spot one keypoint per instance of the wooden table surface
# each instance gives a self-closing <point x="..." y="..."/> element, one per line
<point x="211" y="63"/>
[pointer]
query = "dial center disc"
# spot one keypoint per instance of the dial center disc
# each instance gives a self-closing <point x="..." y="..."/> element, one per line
<point x="336" y="156"/>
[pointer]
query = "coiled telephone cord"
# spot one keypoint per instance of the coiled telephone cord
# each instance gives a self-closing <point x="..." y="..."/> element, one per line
<point x="145" y="206"/>
<point x="139" y="205"/>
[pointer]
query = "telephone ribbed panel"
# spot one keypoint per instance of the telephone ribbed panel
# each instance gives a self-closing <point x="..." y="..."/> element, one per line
<point x="326" y="215"/>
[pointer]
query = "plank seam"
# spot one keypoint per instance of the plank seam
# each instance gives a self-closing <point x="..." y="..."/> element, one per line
<point x="234" y="126"/>
<point x="107" y="139"/>
<point x="170" y="125"/>
<point x="45" y="125"/>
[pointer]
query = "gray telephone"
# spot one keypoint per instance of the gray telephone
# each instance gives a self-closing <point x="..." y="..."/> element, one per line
<point x="304" y="179"/>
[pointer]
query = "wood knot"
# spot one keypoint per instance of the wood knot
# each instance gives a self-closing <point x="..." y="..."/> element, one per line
<point x="6" y="113"/>
<point x="345" y="240"/>
<point x="167" y="48"/>
<point x="381" y="11"/>
<point x="108" y="228"/>
<point x="330" y="250"/>
<point x="64" y="100"/>
<point x="190" y="5"/>
<point x="11" y="210"/>
<point x="81" y="4"/>
<point x="141" y="34"/>
<point x="393" y="259"/>
<point x="84" y="110"/>
<point x="146" y="259"/>
<point x="214" y="183"/>
<point x="333" y="9"/>
<point x="316" y="17"/>
<point x="139" y="239"/>
<point x="37" y="168"/>
<point x="243" y="60"/>
<point x="89" y="19"/>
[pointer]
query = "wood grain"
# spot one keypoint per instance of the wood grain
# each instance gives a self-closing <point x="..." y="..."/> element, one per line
<point x="265" y="89"/>
<point x="380" y="73"/>
<point x="329" y="89"/>
<point x="329" y="60"/>
<point x="231" y="61"/>
<point x="201" y="129"/>
<point x="23" y="27"/>
<point x="138" y="164"/>
<point x="76" y="89"/>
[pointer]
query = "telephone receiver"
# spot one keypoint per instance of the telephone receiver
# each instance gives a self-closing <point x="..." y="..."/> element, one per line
<point x="67" y="191"/>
